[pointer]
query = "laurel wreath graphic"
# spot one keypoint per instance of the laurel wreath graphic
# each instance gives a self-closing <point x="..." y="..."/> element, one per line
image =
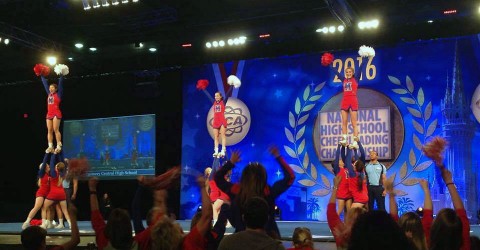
<point x="295" y="135"/>
<point x="424" y="128"/>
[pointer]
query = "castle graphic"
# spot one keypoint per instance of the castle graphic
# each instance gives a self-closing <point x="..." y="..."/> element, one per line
<point x="459" y="130"/>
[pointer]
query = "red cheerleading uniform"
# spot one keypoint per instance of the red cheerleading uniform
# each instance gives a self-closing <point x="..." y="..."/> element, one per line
<point x="359" y="196"/>
<point x="53" y="106"/>
<point x="219" y="115"/>
<point x="57" y="193"/>
<point x="53" y="99"/>
<point x="343" y="191"/>
<point x="349" y="99"/>
<point x="216" y="193"/>
<point x="44" y="188"/>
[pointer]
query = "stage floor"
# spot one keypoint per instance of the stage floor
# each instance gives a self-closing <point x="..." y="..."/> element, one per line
<point x="10" y="233"/>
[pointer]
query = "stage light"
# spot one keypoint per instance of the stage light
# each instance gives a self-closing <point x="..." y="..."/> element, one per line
<point x="86" y="5"/>
<point x="242" y="39"/>
<point x="277" y="213"/>
<point x="230" y="41"/>
<point x="186" y="45"/>
<point x="79" y="45"/>
<point x="264" y="35"/>
<point x="152" y="49"/>
<point x="6" y="41"/>
<point x="70" y="58"/>
<point x="450" y="12"/>
<point x="138" y="45"/>
<point x="93" y="49"/>
<point x="330" y="29"/>
<point x="419" y="211"/>
<point x="372" y="24"/>
<point x="95" y="4"/>
<point x="430" y="21"/>
<point x="51" y="60"/>
<point x="0" y="39"/>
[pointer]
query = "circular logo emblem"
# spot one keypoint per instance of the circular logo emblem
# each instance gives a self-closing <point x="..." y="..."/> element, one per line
<point x="146" y="123"/>
<point x="238" y="121"/>
<point x="380" y="124"/>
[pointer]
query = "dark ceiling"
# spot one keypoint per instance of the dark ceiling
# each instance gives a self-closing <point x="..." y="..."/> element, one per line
<point x="38" y="27"/>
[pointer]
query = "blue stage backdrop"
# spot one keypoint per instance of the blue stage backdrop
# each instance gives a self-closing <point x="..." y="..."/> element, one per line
<point x="407" y="94"/>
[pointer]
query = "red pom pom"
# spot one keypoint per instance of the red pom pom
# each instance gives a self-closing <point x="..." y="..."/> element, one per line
<point x="202" y="84"/>
<point x="38" y="69"/>
<point x="327" y="59"/>
<point x="46" y="71"/>
<point x="78" y="167"/>
<point x="41" y="70"/>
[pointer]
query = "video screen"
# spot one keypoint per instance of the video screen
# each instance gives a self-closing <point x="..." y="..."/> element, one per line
<point x="116" y="147"/>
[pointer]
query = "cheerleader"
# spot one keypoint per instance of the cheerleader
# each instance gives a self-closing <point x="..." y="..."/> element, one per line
<point x="219" y="125"/>
<point x="344" y="196"/>
<point x="57" y="193"/>
<point x="54" y="114"/>
<point x="357" y="183"/>
<point x="42" y="192"/>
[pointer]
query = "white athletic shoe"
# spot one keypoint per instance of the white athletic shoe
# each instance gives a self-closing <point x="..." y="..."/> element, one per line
<point x="354" y="145"/>
<point x="343" y="142"/>
<point x="221" y="154"/>
<point x="49" y="150"/>
<point x="49" y="224"/>
<point x="59" y="226"/>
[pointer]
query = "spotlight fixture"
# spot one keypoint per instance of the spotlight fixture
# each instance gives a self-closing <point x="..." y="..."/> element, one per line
<point x="372" y="24"/>
<point x="450" y="12"/>
<point x="138" y="45"/>
<point x="230" y="42"/>
<point x="79" y="45"/>
<point x="51" y="60"/>
<point x="88" y="4"/>
<point x="331" y="29"/>
<point x="6" y="41"/>
<point x="93" y="49"/>
<point x="187" y="45"/>
<point x="152" y="49"/>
